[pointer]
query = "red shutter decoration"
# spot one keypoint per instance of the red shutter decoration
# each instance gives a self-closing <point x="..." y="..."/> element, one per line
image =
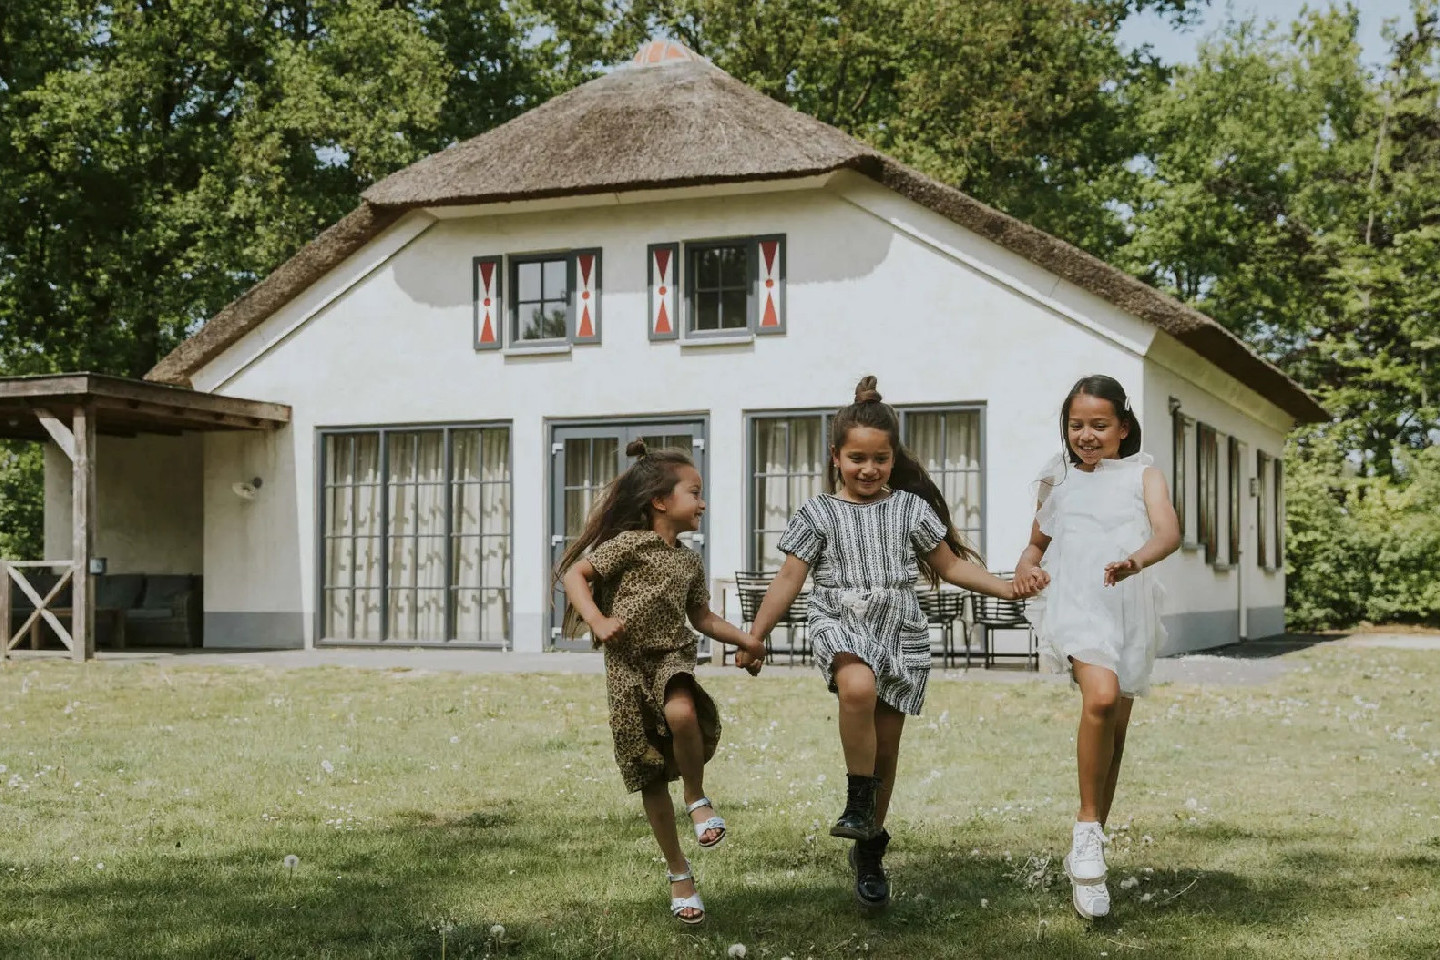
<point x="586" y="296"/>
<point x="770" y="286"/>
<point x="664" y="272"/>
<point x="487" y="302"/>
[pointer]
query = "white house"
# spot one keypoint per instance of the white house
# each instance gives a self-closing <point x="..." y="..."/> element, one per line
<point x="662" y="252"/>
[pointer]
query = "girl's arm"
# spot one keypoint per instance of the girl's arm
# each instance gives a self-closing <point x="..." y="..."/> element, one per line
<point x="1027" y="568"/>
<point x="972" y="576"/>
<point x="716" y="627"/>
<point x="1164" y="531"/>
<point x="577" y="591"/>
<point x="781" y="594"/>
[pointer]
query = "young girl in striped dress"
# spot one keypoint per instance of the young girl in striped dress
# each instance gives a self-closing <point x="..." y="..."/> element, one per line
<point x="866" y="545"/>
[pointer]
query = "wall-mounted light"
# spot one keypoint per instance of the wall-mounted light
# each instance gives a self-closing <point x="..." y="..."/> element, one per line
<point x="245" y="489"/>
<point x="1174" y="405"/>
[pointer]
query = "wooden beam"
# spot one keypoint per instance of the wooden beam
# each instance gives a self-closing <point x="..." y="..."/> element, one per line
<point x="82" y="604"/>
<point x="60" y="433"/>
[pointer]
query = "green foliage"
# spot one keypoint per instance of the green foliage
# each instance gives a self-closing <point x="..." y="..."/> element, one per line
<point x="22" y="501"/>
<point x="1361" y="548"/>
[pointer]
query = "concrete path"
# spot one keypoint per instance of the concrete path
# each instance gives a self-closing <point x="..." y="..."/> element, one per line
<point x="1254" y="662"/>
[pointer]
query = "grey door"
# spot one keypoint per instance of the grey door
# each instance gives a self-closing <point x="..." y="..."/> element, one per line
<point x="584" y="459"/>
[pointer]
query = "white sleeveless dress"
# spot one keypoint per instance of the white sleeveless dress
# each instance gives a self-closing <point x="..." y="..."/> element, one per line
<point x="1093" y="519"/>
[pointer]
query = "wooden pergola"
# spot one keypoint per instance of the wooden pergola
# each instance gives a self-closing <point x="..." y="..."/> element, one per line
<point x="72" y="410"/>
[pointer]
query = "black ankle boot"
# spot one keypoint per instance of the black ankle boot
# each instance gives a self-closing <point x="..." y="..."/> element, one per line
<point x="872" y="887"/>
<point x="858" y="820"/>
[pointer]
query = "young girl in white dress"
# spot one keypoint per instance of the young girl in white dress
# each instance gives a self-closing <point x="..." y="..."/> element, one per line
<point x="1104" y="518"/>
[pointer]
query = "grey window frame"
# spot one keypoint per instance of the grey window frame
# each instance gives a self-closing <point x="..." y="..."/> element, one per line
<point x="691" y="249"/>
<point x="383" y="430"/>
<point x="979" y="407"/>
<point x="513" y="262"/>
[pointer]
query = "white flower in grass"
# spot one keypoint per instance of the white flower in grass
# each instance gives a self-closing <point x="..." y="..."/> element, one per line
<point x="454" y="739"/>
<point x="3" y="768"/>
<point x="1129" y="883"/>
<point x="1146" y="897"/>
<point x="984" y="903"/>
<point x="736" y="950"/>
<point x="100" y="866"/>
<point x="497" y="931"/>
<point x="291" y="862"/>
<point x="327" y="766"/>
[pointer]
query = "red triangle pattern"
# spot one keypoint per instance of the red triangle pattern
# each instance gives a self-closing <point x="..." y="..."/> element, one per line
<point x="768" y="249"/>
<point x="662" y="322"/>
<point x="662" y="263"/>
<point x="487" y="270"/>
<point x="587" y="330"/>
<point x="771" y="318"/>
<point x="586" y="262"/>
<point x="487" y="332"/>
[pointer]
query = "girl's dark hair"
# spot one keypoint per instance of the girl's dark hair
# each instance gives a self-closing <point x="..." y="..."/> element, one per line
<point x="624" y="505"/>
<point x="1101" y="387"/>
<point x="906" y="473"/>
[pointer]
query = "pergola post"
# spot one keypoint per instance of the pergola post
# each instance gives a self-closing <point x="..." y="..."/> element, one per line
<point x="82" y="603"/>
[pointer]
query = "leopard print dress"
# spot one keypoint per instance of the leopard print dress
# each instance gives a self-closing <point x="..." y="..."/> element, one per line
<point x="652" y="585"/>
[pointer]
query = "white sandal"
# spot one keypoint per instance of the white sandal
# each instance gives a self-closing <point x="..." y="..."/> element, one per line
<point x="713" y="823"/>
<point x="691" y="902"/>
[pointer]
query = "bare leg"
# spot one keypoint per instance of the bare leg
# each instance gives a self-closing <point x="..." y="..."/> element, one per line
<point x="855" y="682"/>
<point x="689" y="745"/>
<point x="660" y="811"/>
<point x="1095" y="738"/>
<point x="889" y="725"/>
<point x="1122" y="723"/>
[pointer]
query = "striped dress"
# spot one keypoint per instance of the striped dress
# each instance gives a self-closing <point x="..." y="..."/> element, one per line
<point x="862" y="561"/>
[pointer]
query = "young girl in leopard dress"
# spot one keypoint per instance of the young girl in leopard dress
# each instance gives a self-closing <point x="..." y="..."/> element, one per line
<point x="634" y="586"/>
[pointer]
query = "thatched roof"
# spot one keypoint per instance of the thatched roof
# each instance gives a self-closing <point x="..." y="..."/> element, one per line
<point x="672" y="120"/>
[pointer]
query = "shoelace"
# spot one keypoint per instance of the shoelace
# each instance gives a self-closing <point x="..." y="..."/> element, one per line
<point x="1091" y="845"/>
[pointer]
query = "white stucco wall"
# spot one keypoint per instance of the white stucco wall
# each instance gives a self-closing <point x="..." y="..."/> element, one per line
<point x="875" y="285"/>
<point x="148" y="513"/>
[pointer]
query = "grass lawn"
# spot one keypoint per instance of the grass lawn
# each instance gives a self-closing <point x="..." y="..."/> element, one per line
<point x="149" y="812"/>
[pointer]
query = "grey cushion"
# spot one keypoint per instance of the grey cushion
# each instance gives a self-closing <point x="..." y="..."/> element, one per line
<point x="119" y="591"/>
<point x="164" y="591"/>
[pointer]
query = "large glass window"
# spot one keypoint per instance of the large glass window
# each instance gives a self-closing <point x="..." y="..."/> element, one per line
<point x="541" y="299"/>
<point x="416" y="531"/>
<point x="790" y="457"/>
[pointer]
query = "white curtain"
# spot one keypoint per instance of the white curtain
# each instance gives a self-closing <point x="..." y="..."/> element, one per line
<point x="353" y="536"/>
<point x="947" y="444"/>
<point x="417" y="584"/>
<point x="481" y="532"/>
<point x="790" y="463"/>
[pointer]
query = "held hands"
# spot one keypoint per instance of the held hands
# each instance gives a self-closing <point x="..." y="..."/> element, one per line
<point x="607" y="628"/>
<point x="1029" y="580"/>
<point x="1121" y="570"/>
<point x="751" y="657"/>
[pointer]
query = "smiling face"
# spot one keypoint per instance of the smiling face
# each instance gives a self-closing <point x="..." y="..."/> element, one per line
<point x="864" y="462"/>
<point x="1094" y="430"/>
<point x="683" y="506"/>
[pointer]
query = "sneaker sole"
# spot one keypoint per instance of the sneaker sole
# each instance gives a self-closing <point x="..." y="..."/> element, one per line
<point x="1075" y="902"/>
<point x="1081" y="880"/>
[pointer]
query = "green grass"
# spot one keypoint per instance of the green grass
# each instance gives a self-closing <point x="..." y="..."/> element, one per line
<point x="1297" y="819"/>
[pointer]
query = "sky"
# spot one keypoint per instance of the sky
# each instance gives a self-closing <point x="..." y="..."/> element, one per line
<point x="1178" y="46"/>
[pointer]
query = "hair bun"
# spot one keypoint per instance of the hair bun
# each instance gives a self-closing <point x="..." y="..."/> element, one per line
<point x="865" y="391"/>
<point x="636" y="448"/>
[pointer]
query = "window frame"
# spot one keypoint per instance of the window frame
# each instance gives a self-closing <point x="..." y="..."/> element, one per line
<point x="692" y="249"/>
<point x="1236" y="464"/>
<point x="1207" y="461"/>
<point x="513" y="263"/>
<point x="979" y="407"/>
<point x="1263" y="520"/>
<point x="382" y="431"/>
<point x="1182" y="429"/>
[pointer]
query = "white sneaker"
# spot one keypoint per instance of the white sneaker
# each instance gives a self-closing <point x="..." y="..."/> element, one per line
<point x="1085" y="863"/>
<point x="1091" y="900"/>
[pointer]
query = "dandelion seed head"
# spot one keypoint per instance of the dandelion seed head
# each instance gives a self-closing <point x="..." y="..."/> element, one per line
<point x="984" y="903"/>
<point x="497" y="931"/>
<point x="736" y="950"/>
<point x="291" y="862"/>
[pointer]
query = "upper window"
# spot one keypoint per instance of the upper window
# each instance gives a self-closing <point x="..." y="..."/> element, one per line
<point x="1208" y="475"/>
<point x="542" y="299"/>
<point x="1184" y="492"/>
<point x="1270" y="512"/>
<point x="733" y="288"/>
<point x="546" y="300"/>
<point x="720" y="282"/>
<point x="1235" y="449"/>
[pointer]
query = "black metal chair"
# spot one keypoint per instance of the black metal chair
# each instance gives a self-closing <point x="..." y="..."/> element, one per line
<point x="751" y="586"/>
<point x="991" y="614"/>
<point x="944" y="609"/>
